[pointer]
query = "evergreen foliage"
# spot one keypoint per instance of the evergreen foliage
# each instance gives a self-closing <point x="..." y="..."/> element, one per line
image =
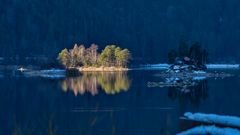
<point x="111" y="56"/>
<point x="193" y="55"/>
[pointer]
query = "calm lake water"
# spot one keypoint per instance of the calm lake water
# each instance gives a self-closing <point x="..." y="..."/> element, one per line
<point x="117" y="104"/>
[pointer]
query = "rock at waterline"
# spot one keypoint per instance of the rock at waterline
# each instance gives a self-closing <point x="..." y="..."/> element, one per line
<point x="186" y="68"/>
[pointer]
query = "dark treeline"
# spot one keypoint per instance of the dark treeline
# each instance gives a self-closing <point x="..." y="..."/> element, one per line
<point x="150" y="29"/>
<point x="190" y="55"/>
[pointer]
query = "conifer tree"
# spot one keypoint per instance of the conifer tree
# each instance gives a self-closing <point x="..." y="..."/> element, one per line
<point x="64" y="58"/>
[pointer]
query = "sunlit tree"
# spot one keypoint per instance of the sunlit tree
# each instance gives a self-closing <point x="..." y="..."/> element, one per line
<point x="125" y="56"/>
<point x="93" y="54"/>
<point x="107" y="57"/>
<point x="118" y="56"/>
<point x="64" y="58"/>
<point x="75" y="61"/>
<point x="81" y="56"/>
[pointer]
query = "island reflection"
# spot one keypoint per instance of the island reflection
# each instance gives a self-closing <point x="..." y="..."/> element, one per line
<point x="189" y="89"/>
<point x="111" y="83"/>
<point x="185" y="89"/>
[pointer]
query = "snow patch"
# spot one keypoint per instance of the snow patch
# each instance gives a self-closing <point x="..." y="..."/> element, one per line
<point x="154" y="67"/>
<point x="230" y="124"/>
<point x="222" y="66"/>
<point x="199" y="78"/>
<point x="232" y="121"/>
<point x="213" y="130"/>
<point x="209" y="66"/>
<point x="199" y="72"/>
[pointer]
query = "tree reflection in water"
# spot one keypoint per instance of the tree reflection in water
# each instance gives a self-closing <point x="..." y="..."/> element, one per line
<point x="111" y="83"/>
<point x="189" y="89"/>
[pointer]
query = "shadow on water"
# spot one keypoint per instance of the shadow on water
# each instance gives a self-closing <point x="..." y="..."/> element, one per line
<point x="92" y="82"/>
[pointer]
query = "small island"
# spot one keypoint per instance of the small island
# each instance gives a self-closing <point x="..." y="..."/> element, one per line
<point x="187" y="59"/>
<point x="82" y="59"/>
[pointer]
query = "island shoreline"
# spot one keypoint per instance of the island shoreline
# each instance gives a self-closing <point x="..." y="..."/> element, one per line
<point x="98" y="69"/>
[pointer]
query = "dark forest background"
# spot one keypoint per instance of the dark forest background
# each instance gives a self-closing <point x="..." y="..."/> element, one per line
<point x="148" y="28"/>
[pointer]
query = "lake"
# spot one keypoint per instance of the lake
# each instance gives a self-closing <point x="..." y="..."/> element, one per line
<point x="109" y="103"/>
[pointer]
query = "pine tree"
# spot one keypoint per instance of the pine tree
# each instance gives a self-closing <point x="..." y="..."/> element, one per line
<point x="172" y="55"/>
<point x="118" y="56"/>
<point x="74" y="56"/>
<point x="64" y="58"/>
<point x="196" y="53"/>
<point x="125" y="57"/>
<point x="183" y="49"/>
<point x="107" y="57"/>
